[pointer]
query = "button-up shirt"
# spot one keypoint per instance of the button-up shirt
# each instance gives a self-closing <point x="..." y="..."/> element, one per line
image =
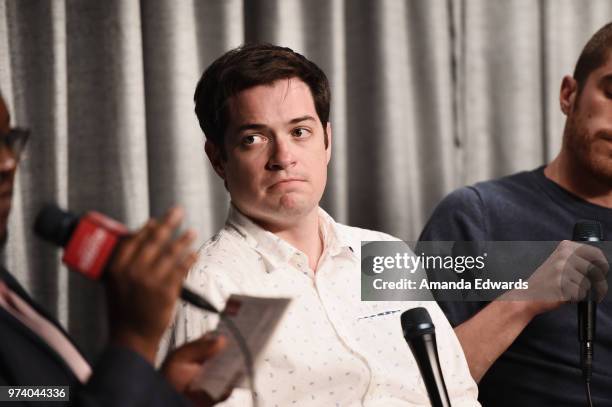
<point x="330" y="348"/>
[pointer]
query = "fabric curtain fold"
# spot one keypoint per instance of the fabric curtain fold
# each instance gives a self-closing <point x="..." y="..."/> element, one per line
<point x="427" y="96"/>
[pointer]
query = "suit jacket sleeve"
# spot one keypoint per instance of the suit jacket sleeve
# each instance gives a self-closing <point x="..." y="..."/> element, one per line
<point x="121" y="377"/>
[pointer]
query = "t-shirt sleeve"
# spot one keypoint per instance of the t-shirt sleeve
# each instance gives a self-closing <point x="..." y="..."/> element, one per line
<point x="458" y="217"/>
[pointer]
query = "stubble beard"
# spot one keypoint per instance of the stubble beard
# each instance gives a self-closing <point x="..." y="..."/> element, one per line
<point x="580" y="145"/>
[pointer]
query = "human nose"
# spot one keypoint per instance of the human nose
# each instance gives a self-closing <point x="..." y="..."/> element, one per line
<point x="282" y="155"/>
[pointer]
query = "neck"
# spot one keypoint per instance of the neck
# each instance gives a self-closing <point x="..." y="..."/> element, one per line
<point x="569" y="174"/>
<point x="303" y="234"/>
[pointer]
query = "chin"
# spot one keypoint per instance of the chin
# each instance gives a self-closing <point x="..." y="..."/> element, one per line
<point x="602" y="170"/>
<point x="294" y="203"/>
<point x="598" y="164"/>
<point x="589" y="151"/>
<point x="289" y="202"/>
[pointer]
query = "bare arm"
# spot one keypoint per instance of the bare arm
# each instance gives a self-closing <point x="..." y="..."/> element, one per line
<point x="570" y="271"/>
<point x="488" y="334"/>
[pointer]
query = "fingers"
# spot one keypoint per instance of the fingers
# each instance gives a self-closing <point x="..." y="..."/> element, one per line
<point x="201" y="349"/>
<point x="129" y="246"/>
<point x="601" y="290"/>
<point x="177" y="256"/>
<point x="153" y="244"/>
<point x="594" y="256"/>
<point x="574" y="286"/>
<point x="183" y="267"/>
<point x="583" y="265"/>
<point x="591" y="253"/>
<point x="201" y="398"/>
<point x="147" y="273"/>
<point x="183" y="365"/>
<point x="157" y="238"/>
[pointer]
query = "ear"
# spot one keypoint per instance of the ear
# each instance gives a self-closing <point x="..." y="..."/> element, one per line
<point x="329" y="141"/>
<point x="567" y="96"/>
<point x="214" y="155"/>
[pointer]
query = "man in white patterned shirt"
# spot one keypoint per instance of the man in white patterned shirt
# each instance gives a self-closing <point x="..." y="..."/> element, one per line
<point x="265" y="113"/>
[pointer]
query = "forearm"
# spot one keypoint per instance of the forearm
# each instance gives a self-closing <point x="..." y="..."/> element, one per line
<point x="488" y="334"/>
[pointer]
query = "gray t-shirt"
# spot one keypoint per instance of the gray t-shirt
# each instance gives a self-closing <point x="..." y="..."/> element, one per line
<point x="541" y="367"/>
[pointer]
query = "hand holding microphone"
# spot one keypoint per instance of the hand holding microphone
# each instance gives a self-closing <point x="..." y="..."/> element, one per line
<point x="567" y="275"/>
<point x="145" y="280"/>
<point x="588" y="231"/>
<point x="143" y="271"/>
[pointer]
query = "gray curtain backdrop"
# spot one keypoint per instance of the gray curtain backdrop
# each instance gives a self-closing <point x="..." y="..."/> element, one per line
<point x="428" y="95"/>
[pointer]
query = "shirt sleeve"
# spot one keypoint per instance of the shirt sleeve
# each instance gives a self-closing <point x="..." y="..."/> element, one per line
<point x="460" y="217"/>
<point x="123" y="378"/>
<point x="209" y="278"/>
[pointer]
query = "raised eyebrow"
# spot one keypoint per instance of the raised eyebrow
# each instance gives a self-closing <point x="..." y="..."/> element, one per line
<point x="302" y="119"/>
<point x="250" y="126"/>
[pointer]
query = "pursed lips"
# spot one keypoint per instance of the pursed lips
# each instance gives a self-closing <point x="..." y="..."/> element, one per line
<point x="285" y="181"/>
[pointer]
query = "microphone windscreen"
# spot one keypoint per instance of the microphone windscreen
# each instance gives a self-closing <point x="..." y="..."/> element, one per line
<point x="416" y="322"/>
<point x="588" y="230"/>
<point x="55" y="225"/>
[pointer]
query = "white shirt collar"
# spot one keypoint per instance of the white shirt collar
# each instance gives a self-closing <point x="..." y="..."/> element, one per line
<point x="276" y="251"/>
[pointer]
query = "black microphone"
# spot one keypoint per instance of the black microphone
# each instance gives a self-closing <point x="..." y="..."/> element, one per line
<point x="587" y="231"/>
<point x="420" y="334"/>
<point x="89" y="242"/>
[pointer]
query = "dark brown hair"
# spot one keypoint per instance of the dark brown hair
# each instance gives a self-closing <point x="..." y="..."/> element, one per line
<point x="594" y="54"/>
<point x="252" y="65"/>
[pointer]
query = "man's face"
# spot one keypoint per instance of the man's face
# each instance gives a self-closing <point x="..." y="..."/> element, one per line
<point x="276" y="166"/>
<point x="8" y="165"/>
<point x="588" y="129"/>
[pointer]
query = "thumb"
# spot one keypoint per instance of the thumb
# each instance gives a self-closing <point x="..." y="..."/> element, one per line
<point x="201" y="349"/>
